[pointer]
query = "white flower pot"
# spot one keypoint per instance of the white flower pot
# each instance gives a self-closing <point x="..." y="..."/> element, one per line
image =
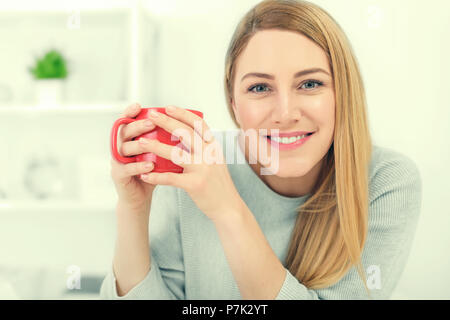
<point x="49" y="92"/>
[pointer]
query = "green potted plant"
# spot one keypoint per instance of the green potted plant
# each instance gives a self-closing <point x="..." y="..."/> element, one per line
<point x="49" y="73"/>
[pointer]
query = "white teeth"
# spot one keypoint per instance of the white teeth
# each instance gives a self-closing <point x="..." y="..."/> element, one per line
<point x="286" y="140"/>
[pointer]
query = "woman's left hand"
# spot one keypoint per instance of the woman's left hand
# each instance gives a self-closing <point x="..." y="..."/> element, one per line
<point x="205" y="176"/>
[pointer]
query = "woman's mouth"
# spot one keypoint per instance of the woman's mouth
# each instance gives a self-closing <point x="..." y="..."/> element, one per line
<point x="285" y="143"/>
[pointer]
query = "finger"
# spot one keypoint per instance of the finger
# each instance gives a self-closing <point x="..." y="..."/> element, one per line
<point x="136" y="128"/>
<point x="193" y="120"/>
<point x="175" y="154"/>
<point x="121" y="171"/>
<point x="132" y="110"/>
<point x="132" y="148"/>
<point x="188" y="137"/>
<point x="165" y="178"/>
<point x="177" y="128"/>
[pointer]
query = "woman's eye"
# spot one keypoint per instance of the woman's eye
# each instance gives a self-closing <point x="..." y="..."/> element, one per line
<point x="311" y="82"/>
<point x="258" y="86"/>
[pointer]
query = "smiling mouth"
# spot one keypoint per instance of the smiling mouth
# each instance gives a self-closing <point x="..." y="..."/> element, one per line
<point x="289" y="140"/>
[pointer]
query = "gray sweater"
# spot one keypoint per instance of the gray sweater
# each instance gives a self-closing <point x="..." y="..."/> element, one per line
<point x="188" y="261"/>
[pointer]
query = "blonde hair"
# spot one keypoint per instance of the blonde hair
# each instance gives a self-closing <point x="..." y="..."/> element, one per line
<point x="331" y="227"/>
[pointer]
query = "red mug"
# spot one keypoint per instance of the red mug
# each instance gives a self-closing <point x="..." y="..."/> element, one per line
<point x="160" y="164"/>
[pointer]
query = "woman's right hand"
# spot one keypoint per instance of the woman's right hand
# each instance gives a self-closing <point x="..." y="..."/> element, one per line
<point x="131" y="190"/>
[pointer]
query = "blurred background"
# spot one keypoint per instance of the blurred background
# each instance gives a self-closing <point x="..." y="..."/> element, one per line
<point x="56" y="196"/>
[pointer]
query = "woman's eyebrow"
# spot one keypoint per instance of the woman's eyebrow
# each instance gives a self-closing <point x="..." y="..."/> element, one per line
<point x="298" y="74"/>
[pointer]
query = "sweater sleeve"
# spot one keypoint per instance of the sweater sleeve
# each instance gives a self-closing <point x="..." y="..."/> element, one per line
<point x="165" y="279"/>
<point x="395" y="203"/>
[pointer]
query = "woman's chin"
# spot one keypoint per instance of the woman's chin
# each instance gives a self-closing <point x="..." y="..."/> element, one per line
<point x="287" y="169"/>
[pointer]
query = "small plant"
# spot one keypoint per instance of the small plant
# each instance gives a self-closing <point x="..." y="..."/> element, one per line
<point x="51" y="66"/>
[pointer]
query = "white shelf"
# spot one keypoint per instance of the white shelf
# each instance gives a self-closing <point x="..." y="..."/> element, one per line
<point x="106" y="108"/>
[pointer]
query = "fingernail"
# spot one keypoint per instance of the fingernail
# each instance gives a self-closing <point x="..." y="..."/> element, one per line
<point x="153" y="113"/>
<point x="148" y="123"/>
<point x="170" y="109"/>
<point x="148" y="165"/>
<point x="143" y="141"/>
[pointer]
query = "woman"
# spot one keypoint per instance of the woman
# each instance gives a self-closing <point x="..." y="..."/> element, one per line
<point x="336" y="218"/>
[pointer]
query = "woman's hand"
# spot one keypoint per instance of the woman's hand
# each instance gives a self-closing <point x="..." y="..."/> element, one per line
<point x="131" y="190"/>
<point x="205" y="177"/>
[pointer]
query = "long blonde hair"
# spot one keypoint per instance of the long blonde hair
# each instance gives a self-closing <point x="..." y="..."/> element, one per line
<point x="331" y="227"/>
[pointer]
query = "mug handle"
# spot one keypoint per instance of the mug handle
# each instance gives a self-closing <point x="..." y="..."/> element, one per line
<point x="115" y="153"/>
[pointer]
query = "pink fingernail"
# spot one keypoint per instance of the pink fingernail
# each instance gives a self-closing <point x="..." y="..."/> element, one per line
<point x="170" y="109"/>
<point x="149" y="165"/>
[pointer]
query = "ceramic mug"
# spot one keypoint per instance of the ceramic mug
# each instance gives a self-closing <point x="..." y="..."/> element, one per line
<point x="160" y="164"/>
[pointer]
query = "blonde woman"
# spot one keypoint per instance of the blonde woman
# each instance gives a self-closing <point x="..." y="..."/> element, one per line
<point x="335" y="221"/>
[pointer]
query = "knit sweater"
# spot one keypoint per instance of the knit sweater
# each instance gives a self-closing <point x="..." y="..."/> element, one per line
<point x="188" y="260"/>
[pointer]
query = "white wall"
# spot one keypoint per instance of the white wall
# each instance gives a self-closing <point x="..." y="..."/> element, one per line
<point x="192" y="42"/>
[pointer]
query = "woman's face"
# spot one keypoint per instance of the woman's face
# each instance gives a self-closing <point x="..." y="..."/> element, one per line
<point x="278" y="99"/>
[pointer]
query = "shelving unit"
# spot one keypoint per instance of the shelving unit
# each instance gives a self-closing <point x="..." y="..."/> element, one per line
<point x="51" y="234"/>
<point x="133" y="19"/>
<point x="137" y="82"/>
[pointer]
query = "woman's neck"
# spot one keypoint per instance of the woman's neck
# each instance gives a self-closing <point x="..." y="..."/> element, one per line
<point x="288" y="187"/>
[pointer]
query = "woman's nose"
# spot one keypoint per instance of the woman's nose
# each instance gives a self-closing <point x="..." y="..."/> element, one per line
<point x="286" y="111"/>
